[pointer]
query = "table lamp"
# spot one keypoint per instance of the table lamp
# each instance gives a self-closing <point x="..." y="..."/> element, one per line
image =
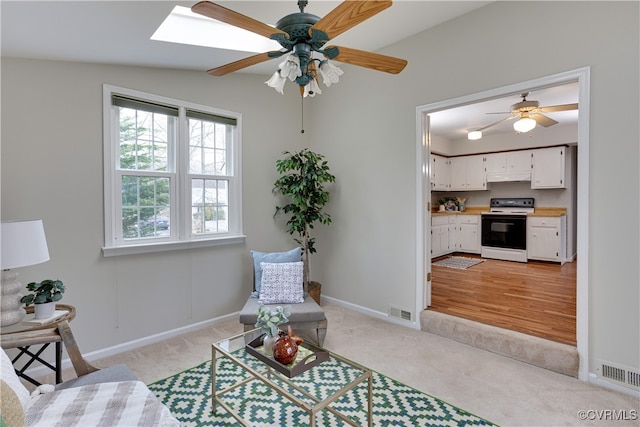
<point x="23" y="244"/>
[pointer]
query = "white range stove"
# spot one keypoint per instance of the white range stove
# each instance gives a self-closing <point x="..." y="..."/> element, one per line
<point x="504" y="229"/>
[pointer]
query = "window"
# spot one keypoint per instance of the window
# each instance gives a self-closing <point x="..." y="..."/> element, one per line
<point x="171" y="174"/>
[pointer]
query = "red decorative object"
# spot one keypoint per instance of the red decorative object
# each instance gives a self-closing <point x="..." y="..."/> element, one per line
<point x="286" y="347"/>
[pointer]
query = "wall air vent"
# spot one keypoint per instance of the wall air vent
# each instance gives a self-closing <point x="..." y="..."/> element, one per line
<point x="400" y="313"/>
<point x="619" y="374"/>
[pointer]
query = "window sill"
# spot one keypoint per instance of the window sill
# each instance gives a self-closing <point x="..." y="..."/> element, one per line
<point x="170" y="246"/>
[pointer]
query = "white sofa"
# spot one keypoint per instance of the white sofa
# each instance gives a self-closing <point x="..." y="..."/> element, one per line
<point x="112" y="395"/>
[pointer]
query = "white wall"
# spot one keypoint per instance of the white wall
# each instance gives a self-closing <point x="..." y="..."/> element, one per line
<point x="366" y="127"/>
<point x="372" y="241"/>
<point x="52" y="169"/>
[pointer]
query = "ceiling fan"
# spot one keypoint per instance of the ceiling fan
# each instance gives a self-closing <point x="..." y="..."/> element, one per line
<point x="529" y="114"/>
<point x="301" y="34"/>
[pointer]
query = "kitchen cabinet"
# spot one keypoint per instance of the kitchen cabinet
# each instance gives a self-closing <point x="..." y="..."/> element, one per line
<point x="508" y="166"/>
<point x="439" y="235"/>
<point x="469" y="233"/>
<point x="547" y="238"/>
<point x="548" y="168"/>
<point x="455" y="233"/>
<point x="467" y="173"/>
<point x="440" y="173"/>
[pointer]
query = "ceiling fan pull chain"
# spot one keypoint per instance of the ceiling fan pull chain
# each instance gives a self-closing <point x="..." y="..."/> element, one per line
<point x="301" y="114"/>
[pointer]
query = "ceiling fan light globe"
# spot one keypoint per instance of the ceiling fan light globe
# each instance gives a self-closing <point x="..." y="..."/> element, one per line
<point x="329" y="72"/>
<point x="290" y="68"/>
<point x="524" y="125"/>
<point x="474" y="135"/>
<point x="277" y="82"/>
<point x="312" y="88"/>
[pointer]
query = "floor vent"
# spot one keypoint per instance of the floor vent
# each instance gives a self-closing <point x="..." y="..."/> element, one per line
<point x="622" y="375"/>
<point x="400" y="313"/>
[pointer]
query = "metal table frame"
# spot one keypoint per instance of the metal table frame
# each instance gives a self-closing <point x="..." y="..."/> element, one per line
<point x="225" y="349"/>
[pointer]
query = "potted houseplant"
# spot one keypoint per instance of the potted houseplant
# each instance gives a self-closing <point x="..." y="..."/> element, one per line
<point x="268" y="321"/>
<point x="302" y="178"/>
<point x="44" y="295"/>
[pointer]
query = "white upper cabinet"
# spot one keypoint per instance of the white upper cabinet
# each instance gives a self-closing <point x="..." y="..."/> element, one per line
<point x="467" y="173"/>
<point x="544" y="167"/>
<point x="549" y="168"/>
<point x="508" y="166"/>
<point x="496" y="163"/>
<point x="440" y="173"/>
<point x="519" y="161"/>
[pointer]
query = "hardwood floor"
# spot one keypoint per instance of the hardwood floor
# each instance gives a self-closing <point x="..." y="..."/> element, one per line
<point x="535" y="298"/>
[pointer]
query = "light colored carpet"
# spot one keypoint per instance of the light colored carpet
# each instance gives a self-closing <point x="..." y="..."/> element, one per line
<point x="494" y="387"/>
<point x="546" y="354"/>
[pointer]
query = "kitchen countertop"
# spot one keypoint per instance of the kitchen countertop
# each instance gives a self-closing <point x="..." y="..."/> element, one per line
<point x="477" y="210"/>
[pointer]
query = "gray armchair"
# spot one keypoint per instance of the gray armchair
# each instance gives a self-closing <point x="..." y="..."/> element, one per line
<point x="304" y="315"/>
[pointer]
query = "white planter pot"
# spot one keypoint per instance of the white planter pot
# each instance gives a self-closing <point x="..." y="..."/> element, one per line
<point x="44" y="311"/>
<point x="268" y="342"/>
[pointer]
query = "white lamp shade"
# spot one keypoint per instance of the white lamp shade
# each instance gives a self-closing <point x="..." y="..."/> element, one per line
<point x="525" y="124"/>
<point x="23" y="244"/>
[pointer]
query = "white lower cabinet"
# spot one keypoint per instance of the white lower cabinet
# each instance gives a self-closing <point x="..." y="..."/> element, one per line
<point x="455" y="233"/>
<point x="439" y="235"/>
<point x="547" y="238"/>
<point x="469" y="233"/>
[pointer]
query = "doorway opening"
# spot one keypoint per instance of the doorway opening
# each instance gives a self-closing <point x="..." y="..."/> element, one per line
<point x="426" y="145"/>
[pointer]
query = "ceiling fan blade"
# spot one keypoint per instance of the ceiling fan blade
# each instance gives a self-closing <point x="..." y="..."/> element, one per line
<point x="347" y="15"/>
<point x="375" y="61"/>
<point x="554" y="108"/>
<point x="236" y="19"/>
<point x="542" y="120"/>
<point x="242" y="63"/>
<point x="495" y="123"/>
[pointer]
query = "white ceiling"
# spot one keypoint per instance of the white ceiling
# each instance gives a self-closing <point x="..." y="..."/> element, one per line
<point x="453" y="123"/>
<point x="118" y="32"/>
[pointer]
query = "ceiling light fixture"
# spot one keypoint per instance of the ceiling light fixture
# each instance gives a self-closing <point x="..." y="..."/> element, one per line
<point x="474" y="135"/>
<point x="300" y="67"/>
<point x="525" y="124"/>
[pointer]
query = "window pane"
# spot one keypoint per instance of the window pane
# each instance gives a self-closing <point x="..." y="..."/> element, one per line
<point x="145" y="206"/>
<point x="210" y="206"/>
<point x="144" y="140"/>
<point x="208" y="147"/>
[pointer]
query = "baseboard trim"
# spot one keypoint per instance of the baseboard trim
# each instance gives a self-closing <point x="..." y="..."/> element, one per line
<point x="596" y="380"/>
<point x="372" y="313"/>
<point x="134" y="344"/>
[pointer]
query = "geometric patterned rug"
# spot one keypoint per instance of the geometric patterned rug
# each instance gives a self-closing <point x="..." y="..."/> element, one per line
<point x="188" y="397"/>
<point x="458" y="262"/>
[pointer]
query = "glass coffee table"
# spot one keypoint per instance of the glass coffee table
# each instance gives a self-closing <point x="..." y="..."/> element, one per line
<point x="254" y="390"/>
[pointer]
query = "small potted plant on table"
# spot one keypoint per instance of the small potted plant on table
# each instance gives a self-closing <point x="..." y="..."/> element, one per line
<point x="44" y="295"/>
<point x="268" y="322"/>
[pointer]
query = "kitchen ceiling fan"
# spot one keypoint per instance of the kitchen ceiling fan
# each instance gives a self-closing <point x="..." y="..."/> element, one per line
<point x="530" y="114"/>
<point x="301" y="35"/>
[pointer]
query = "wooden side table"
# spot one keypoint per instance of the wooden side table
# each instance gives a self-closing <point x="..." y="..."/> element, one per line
<point x="58" y="331"/>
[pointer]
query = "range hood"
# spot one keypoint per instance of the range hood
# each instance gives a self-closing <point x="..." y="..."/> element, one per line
<point x="509" y="176"/>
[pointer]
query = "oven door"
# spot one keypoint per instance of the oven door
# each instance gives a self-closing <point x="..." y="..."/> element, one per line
<point x="504" y="231"/>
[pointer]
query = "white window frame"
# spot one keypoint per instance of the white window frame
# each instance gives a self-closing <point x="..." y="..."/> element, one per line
<point x="180" y="236"/>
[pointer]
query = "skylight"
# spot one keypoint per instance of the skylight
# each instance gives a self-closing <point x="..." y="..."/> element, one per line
<point x="185" y="27"/>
